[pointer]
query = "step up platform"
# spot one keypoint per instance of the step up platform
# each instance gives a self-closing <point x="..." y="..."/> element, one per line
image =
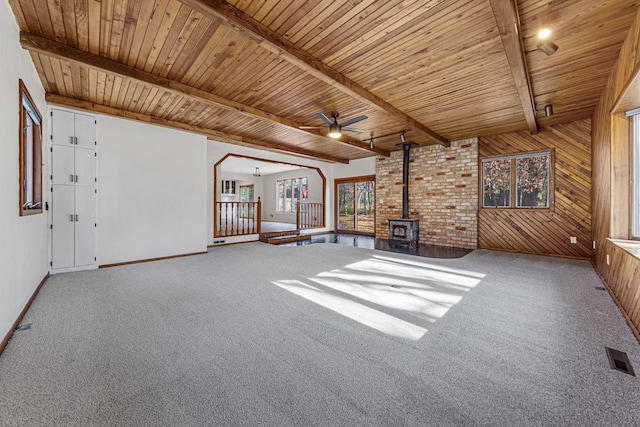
<point x="280" y="237"/>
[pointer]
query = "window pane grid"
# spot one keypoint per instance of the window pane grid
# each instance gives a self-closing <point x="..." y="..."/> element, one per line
<point x="289" y="192"/>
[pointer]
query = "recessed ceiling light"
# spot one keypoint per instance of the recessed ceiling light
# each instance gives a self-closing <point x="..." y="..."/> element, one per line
<point x="544" y="33"/>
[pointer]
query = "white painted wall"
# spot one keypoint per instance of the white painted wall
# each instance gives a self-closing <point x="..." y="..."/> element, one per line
<point x="151" y="191"/>
<point x="23" y="240"/>
<point x="360" y="167"/>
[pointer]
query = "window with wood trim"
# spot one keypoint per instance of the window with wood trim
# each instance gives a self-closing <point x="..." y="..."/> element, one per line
<point x="30" y="137"/>
<point x="289" y="191"/>
<point x="635" y="175"/>
<point x="523" y="181"/>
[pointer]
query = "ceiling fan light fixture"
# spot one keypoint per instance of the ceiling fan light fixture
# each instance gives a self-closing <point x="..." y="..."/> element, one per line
<point x="334" y="131"/>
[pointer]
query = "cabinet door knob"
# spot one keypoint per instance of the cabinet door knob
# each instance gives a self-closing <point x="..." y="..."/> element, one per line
<point x="71" y="140"/>
<point x="71" y="177"/>
<point x="71" y="217"/>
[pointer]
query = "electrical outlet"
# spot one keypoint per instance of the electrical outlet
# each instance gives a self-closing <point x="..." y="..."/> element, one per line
<point x="573" y="239"/>
<point x="608" y="260"/>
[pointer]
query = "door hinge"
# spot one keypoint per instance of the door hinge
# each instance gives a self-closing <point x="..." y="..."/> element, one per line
<point x="95" y="259"/>
<point x="51" y="264"/>
<point x="52" y="137"/>
<point x="51" y="149"/>
<point x="51" y="226"/>
<point x="95" y="224"/>
<point x="46" y="206"/>
<point x="51" y="114"/>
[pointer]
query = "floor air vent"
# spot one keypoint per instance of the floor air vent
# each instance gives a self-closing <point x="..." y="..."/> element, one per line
<point x="600" y="288"/>
<point x="620" y="361"/>
<point x="23" y="327"/>
<point x="396" y="286"/>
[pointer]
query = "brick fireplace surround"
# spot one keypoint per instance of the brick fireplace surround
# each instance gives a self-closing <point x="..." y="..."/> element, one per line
<point x="443" y="193"/>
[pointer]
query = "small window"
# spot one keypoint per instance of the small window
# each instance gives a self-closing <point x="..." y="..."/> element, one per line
<point x="521" y="181"/>
<point x="30" y="154"/>
<point x="289" y="192"/>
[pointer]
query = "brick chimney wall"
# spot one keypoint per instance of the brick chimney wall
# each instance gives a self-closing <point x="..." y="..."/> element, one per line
<point x="443" y="193"/>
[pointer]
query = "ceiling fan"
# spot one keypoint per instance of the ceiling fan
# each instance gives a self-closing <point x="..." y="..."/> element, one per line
<point x="335" y="129"/>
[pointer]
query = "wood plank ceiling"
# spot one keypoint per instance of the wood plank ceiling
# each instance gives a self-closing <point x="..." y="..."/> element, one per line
<point x="441" y="70"/>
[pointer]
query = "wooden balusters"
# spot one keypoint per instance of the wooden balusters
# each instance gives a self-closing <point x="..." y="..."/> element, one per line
<point x="238" y="218"/>
<point x="309" y="215"/>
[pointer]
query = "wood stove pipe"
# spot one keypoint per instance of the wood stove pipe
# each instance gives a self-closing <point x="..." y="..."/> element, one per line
<point x="406" y="146"/>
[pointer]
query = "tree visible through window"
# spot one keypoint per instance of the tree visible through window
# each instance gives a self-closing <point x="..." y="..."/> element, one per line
<point x="635" y="177"/>
<point x="521" y="181"/>
<point x="289" y="191"/>
<point x="30" y="154"/>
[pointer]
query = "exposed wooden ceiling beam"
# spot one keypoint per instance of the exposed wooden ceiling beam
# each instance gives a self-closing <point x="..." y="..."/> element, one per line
<point x="506" y="14"/>
<point x="224" y="13"/>
<point x="210" y="133"/>
<point x="61" y="51"/>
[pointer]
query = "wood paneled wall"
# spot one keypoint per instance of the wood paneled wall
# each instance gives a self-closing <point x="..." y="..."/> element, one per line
<point x="545" y="231"/>
<point x="610" y="149"/>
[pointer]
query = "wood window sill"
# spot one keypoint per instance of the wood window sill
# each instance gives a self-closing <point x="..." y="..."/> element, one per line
<point x="630" y="246"/>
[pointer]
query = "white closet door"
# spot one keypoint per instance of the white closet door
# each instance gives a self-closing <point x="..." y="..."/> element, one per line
<point x="85" y="166"/>
<point x="63" y="128"/>
<point x="85" y="226"/>
<point x="85" y="131"/>
<point x="63" y="220"/>
<point x="62" y="164"/>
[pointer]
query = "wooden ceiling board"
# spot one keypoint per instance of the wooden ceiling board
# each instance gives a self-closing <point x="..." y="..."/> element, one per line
<point x="589" y="37"/>
<point x="440" y="62"/>
<point x="391" y="34"/>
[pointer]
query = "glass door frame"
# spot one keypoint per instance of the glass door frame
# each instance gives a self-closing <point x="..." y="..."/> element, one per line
<point x="336" y="210"/>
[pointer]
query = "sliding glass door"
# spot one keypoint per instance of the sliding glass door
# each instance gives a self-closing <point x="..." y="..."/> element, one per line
<point x="355" y="205"/>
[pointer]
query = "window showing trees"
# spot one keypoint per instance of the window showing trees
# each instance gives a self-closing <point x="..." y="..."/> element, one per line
<point x="30" y="154"/>
<point x="355" y="204"/>
<point x="522" y="181"/>
<point x="635" y="178"/>
<point x="289" y="192"/>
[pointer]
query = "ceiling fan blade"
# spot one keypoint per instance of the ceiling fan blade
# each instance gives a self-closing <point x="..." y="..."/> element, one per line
<point x="352" y="129"/>
<point x="313" y="127"/>
<point x="324" y="118"/>
<point x="352" y="121"/>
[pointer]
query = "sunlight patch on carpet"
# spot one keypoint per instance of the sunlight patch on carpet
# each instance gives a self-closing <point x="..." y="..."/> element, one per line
<point x="367" y="316"/>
